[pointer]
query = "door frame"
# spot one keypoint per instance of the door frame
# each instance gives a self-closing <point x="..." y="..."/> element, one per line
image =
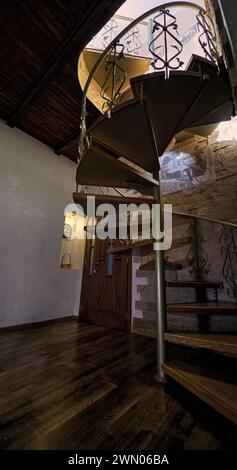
<point x="82" y="314"/>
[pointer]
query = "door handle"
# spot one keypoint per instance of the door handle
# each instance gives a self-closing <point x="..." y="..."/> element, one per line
<point x="96" y="268"/>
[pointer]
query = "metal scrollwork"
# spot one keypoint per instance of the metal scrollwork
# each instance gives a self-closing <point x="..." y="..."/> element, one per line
<point x="166" y="47"/>
<point x="83" y="139"/>
<point x="132" y="41"/>
<point x="229" y="251"/>
<point x="197" y="257"/>
<point x="115" y="77"/>
<point x="165" y="24"/>
<point x="109" y="32"/>
<point x="207" y="38"/>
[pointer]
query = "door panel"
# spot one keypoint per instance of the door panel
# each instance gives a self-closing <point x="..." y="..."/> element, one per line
<point x="105" y="286"/>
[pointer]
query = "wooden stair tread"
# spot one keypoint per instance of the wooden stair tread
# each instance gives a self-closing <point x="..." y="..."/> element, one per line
<point x="149" y="268"/>
<point x="204" y="130"/>
<point x="198" y="63"/>
<point x="216" y="342"/>
<point x="215" y="93"/>
<point x="181" y="90"/>
<point x="209" y="308"/>
<point x="81" y="199"/>
<point x="194" y="284"/>
<point x="180" y="242"/>
<point x="143" y="243"/>
<point x="129" y="248"/>
<point x="219" y="114"/>
<point x="98" y="168"/>
<point x="217" y="392"/>
<point x="128" y="133"/>
<point x="205" y="308"/>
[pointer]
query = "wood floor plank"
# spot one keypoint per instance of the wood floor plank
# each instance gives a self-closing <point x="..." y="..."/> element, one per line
<point x="77" y="386"/>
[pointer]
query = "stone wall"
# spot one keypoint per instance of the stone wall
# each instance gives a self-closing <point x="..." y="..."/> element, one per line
<point x="216" y="199"/>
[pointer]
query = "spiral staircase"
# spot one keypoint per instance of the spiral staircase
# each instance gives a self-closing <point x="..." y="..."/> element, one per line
<point x="121" y="149"/>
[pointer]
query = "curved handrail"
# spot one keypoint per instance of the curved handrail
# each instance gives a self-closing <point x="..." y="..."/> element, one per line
<point x="195" y="216"/>
<point x="207" y="219"/>
<point x="116" y="41"/>
<point x="131" y="26"/>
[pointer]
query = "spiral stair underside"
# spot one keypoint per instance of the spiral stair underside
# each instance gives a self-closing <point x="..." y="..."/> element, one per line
<point x="141" y="129"/>
<point x="99" y="168"/>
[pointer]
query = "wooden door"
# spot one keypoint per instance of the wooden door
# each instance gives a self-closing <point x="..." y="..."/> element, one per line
<point x="105" y="296"/>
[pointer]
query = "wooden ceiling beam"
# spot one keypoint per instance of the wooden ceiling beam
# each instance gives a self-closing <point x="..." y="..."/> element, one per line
<point x="66" y="142"/>
<point x="97" y="15"/>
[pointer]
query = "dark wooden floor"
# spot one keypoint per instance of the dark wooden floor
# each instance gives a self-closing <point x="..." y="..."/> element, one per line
<point x="75" y="386"/>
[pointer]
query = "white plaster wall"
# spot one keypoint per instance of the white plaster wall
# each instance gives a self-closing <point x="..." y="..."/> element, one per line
<point x="135" y="8"/>
<point x="35" y="186"/>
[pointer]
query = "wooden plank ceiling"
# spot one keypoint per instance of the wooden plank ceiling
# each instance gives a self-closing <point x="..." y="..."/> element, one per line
<point x="40" y="44"/>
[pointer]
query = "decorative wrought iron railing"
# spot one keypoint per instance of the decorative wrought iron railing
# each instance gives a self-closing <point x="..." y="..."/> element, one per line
<point x="173" y="32"/>
<point x="198" y="234"/>
<point x="135" y="42"/>
<point x="223" y="249"/>
<point x="228" y="242"/>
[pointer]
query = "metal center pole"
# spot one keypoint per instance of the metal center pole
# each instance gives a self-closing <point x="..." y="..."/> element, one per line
<point x="160" y="286"/>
